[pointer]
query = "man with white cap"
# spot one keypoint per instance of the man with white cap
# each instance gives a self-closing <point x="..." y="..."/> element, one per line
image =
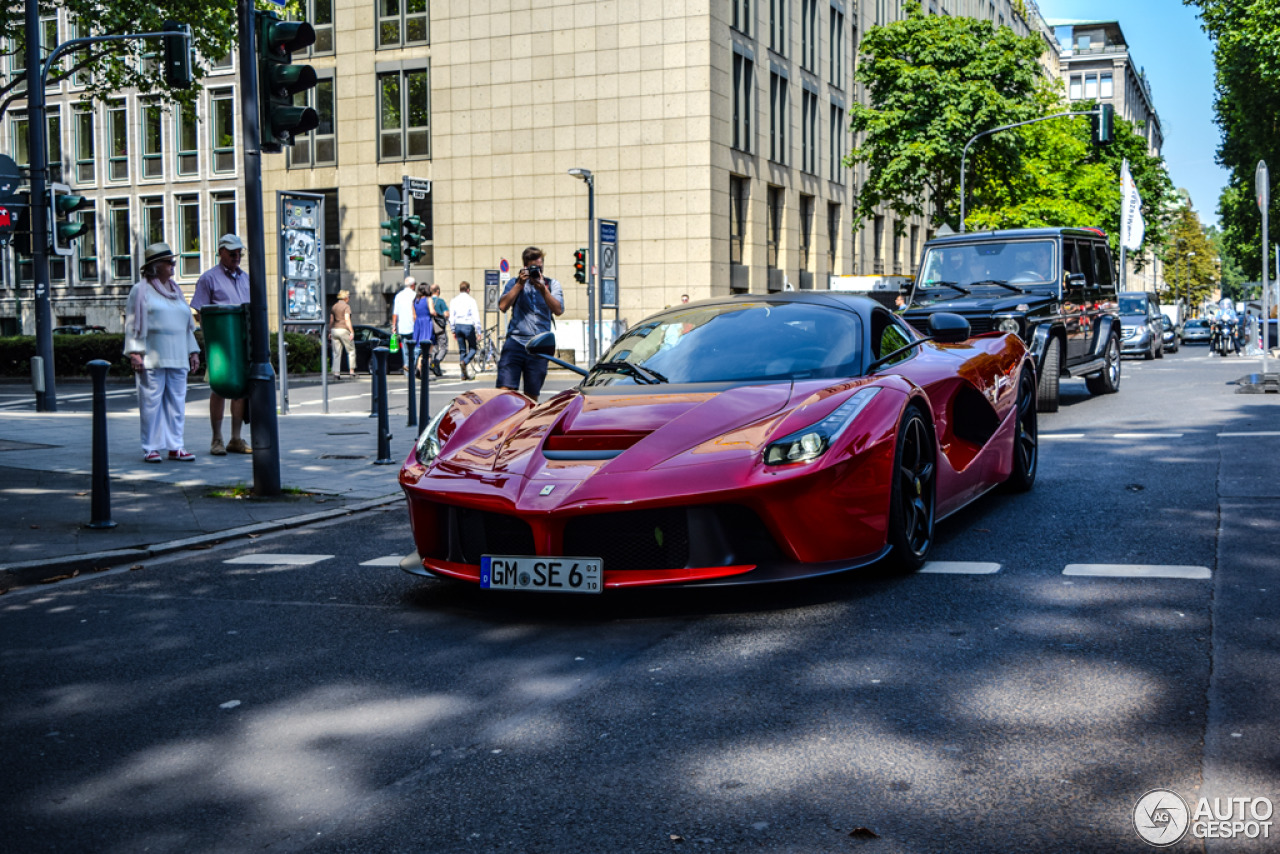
<point x="225" y="284"/>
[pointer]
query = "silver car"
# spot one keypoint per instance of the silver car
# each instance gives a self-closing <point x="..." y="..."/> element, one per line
<point x="1196" y="331"/>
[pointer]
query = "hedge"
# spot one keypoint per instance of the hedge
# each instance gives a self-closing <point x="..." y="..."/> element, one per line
<point x="72" y="353"/>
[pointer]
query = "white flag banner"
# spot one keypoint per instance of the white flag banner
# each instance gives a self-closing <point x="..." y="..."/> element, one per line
<point x="1132" y="226"/>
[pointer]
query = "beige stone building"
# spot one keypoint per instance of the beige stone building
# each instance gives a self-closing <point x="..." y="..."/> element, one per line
<point x="715" y="132"/>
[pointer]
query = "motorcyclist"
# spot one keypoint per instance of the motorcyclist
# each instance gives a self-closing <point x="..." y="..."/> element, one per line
<point x="1225" y="323"/>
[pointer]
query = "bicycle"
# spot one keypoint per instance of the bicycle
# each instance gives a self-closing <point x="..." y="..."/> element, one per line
<point x="486" y="357"/>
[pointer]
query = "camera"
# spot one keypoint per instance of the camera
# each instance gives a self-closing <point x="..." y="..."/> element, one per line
<point x="535" y="271"/>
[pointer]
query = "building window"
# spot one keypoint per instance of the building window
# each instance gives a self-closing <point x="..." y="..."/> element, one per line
<point x="806" y="231"/>
<point x="743" y="87"/>
<point x="318" y="147"/>
<point x="779" y="13"/>
<point x="776" y="201"/>
<point x="402" y="22"/>
<point x="742" y="16"/>
<point x="1075" y="92"/>
<point x="319" y="13"/>
<point x="837" y="143"/>
<point x="1084" y="43"/>
<point x="87" y="245"/>
<point x="152" y="142"/>
<point x="737" y="218"/>
<point x="20" y="139"/>
<point x="877" y="247"/>
<point x="914" y="249"/>
<point x="53" y="147"/>
<point x="833" y="234"/>
<point x="153" y="220"/>
<point x="223" y="127"/>
<point x="837" y="48"/>
<point x="86" y="165"/>
<point x="224" y="213"/>
<point x="222" y="63"/>
<point x="1091" y="86"/>
<point x="188" y="236"/>
<point x="188" y="141"/>
<point x="117" y="141"/>
<point x="404" y="116"/>
<point x="777" y="118"/>
<point x="80" y="29"/>
<point x="897" y="252"/>
<point x="118" y="234"/>
<point x="809" y="35"/>
<point x="1106" y="89"/>
<point x="809" y="132"/>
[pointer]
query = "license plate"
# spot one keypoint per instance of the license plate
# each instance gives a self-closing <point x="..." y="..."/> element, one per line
<point x="542" y="574"/>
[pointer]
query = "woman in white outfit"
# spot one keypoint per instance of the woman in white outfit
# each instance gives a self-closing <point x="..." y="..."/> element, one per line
<point x="160" y="341"/>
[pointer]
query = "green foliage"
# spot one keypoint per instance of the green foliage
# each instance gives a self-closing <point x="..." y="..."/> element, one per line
<point x="1247" y="61"/>
<point x="1190" y="257"/>
<point x="71" y="354"/>
<point x="304" y="353"/>
<point x="933" y="81"/>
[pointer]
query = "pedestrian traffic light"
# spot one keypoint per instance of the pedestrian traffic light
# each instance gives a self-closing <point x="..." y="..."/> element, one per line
<point x="177" y="55"/>
<point x="415" y="233"/>
<point x="1103" y="124"/>
<point x="279" y="79"/>
<point x="580" y="265"/>
<point x="61" y="205"/>
<point x="392" y="237"/>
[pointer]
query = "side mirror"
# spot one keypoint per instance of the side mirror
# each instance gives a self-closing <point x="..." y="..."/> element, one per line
<point x="542" y="344"/>
<point x="1077" y="280"/>
<point x="947" y="328"/>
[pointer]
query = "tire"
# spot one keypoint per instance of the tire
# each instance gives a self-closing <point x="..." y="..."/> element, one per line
<point x="1047" y="393"/>
<point x="1150" y="354"/>
<point x="1108" y="380"/>
<point x="1026" y="438"/>
<point x="912" y="498"/>
<point x="1159" y="348"/>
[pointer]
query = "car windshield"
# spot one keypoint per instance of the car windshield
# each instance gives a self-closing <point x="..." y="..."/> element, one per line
<point x="734" y="342"/>
<point x="1133" y="305"/>
<point x="1020" y="263"/>
<point x="1197" y="324"/>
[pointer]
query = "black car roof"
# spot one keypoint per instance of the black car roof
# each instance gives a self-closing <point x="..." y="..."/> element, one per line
<point x="1011" y="234"/>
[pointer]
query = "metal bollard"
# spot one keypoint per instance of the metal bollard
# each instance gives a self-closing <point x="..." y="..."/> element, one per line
<point x="380" y="354"/>
<point x="424" y="403"/>
<point x="407" y="347"/>
<point x="101" y="507"/>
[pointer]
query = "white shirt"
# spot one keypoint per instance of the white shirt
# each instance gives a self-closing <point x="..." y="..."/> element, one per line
<point x="170" y="341"/>
<point x="463" y="310"/>
<point x="402" y="308"/>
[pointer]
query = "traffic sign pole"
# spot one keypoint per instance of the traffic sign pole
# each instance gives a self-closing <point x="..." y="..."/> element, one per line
<point x="1263" y="186"/>
<point x="46" y="397"/>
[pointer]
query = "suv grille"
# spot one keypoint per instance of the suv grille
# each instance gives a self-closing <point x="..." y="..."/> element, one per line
<point x="977" y="325"/>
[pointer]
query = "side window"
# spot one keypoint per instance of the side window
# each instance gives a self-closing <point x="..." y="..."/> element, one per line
<point x="1081" y="262"/>
<point x="887" y="336"/>
<point x="1104" y="275"/>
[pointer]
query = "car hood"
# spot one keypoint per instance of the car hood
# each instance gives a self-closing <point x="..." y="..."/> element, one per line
<point x="982" y="304"/>
<point x="1133" y="320"/>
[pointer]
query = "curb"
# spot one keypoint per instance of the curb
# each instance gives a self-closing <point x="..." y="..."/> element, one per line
<point x="50" y="570"/>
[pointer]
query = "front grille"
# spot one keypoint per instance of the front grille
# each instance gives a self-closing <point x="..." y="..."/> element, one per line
<point x="977" y="325"/>
<point x="466" y="534"/>
<point x="633" y="539"/>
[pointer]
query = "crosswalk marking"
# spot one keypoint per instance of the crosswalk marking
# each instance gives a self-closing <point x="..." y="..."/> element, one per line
<point x="960" y="567"/>
<point x="1136" y="570"/>
<point x="1148" y="436"/>
<point x="1249" y="434"/>
<point x="389" y="560"/>
<point x="266" y="559"/>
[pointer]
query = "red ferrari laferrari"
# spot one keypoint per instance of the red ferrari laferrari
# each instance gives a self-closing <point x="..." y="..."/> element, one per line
<point x="737" y="440"/>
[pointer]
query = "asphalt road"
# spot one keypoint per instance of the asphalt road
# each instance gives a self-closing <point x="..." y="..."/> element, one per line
<point x="197" y="705"/>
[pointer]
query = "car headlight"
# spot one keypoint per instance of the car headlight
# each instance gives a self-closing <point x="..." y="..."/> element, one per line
<point x="811" y="442"/>
<point x="1009" y="324"/>
<point x="428" y="446"/>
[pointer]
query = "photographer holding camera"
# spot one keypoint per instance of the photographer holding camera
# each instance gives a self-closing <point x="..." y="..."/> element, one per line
<point x="534" y="299"/>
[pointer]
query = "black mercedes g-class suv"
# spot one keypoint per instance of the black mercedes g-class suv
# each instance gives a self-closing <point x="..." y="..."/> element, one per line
<point x="1056" y="287"/>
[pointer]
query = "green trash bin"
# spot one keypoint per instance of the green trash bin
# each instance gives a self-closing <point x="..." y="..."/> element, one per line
<point x="226" y="347"/>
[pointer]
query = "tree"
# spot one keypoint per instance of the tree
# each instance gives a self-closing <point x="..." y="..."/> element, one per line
<point x="1230" y="276"/>
<point x="933" y="81"/>
<point x="1247" y="61"/>
<point x="1187" y="273"/>
<point x="110" y="67"/>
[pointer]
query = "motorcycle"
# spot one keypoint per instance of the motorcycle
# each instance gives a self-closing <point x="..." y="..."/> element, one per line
<point x="1222" y="338"/>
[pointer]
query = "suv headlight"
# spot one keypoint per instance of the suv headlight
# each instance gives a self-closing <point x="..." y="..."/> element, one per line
<point x="811" y="442"/>
<point x="428" y="446"/>
<point x="1009" y="324"/>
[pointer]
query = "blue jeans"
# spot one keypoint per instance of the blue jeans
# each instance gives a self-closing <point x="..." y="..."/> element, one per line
<point x="515" y="363"/>
<point x="465" y="334"/>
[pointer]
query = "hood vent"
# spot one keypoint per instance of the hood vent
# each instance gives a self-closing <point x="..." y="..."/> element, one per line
<point x="589" y="445"/>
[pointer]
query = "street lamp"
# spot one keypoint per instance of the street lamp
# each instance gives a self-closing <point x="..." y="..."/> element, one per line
<point x="1186" y="281"/>
<point x="585" y="175"/>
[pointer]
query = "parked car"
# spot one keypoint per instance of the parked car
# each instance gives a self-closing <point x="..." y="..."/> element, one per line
<point x="1195" y="331"/>
<point x="79" y="330"/>
<point x="688" y="455"/>
<point x="1142" y="333"/>
<point x="366" y="338"/>
<point x="1055" y="287"/>
<point x="1169" y="335"/>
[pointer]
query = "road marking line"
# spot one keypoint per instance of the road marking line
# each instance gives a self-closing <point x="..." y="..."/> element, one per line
<point x="265" y="559"/>
<point x="960" y="567"/>
<point x="1136" y="570"/>
<point x="1249" y="434"/>
<point x="1061" y="435"/>
<point x="389" y="560"/>
<point x="1147" y="436"/>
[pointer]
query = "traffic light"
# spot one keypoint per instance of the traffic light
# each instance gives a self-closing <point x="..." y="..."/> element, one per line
<point x="61" y="205"/>
<point x="580" y="265"/>
<point x="177" y="55"/>
<point x="1103" y="124"/>
<point x="279" y="79"/>
<point x="393" y="237"/>
<point x="414" y="235"/>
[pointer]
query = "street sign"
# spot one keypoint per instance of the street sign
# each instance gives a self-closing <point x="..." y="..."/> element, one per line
<point x="491" y="292"/>
<point x="391" y="201"/>
<point x="301" y="276"/>
<point x="608" y="263"/>
<point x="1262" y="186"/>
<point x="418" y="187"/>
<point x="10" y="179"/>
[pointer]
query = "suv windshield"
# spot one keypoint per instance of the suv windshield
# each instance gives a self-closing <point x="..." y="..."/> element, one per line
<point x="732" y="342"/>
<point x="1021" y="263"/>
<point x="1133" y="305"/>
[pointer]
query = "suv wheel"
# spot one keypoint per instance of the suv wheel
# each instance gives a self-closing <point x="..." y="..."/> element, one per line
<point x="1107" y="381"/>
<point x="1047" y="393"/>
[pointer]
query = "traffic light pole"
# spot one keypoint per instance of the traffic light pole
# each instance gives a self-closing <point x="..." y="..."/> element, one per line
<point x="46" y="390"/>
<point x="262" y="386"/>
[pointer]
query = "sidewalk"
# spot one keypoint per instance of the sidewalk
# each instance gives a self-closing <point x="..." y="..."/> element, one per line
<point x="326" y="468"/>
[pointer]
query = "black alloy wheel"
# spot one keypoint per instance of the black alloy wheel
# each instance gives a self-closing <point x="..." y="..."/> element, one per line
<point x="1026" y="436"/>
<point x="913" y="496"/>
<point x="1107" y="381"/>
